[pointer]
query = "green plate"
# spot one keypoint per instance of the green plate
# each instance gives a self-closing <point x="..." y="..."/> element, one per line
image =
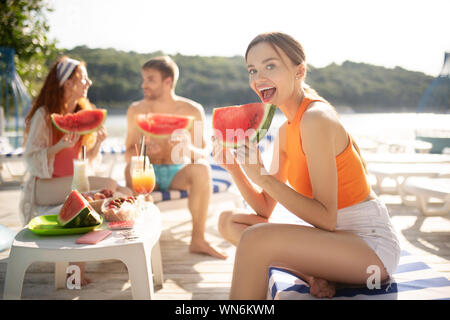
<point x="48" y="225"/>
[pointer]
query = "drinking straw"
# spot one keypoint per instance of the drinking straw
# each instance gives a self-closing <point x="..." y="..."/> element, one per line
<point x="142" y="145"/>
<point x="145" y="156"/>
<point x="83" y="151"/>
<point x="137" y="151"/>
<point x="141" y="150"/>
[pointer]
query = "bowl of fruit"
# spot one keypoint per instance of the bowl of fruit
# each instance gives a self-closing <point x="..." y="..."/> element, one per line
<point x="120" y="208"/>
<point x="97" y="197"/>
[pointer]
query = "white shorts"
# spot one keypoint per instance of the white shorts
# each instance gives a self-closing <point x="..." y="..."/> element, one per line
<point x="370" y="220"/>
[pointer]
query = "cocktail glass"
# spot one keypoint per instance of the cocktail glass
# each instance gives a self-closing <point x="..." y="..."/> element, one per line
<point x="80" y="179"/>
<point x="142" y="178"/>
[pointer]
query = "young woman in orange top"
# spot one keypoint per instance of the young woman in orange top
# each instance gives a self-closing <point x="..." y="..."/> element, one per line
<point x="328" y="188"/>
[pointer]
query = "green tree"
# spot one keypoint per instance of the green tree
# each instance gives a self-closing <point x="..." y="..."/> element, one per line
<point x="23" y="27"/>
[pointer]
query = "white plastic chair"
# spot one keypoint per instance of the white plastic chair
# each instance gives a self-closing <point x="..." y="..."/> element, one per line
<point x="425" y="188"/>
<point x="399" y="172"/>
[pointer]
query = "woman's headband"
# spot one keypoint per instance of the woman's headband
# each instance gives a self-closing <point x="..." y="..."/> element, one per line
<point x="65" y="69"/>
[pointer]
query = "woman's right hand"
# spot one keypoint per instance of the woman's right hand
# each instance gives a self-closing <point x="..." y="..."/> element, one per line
<point x="68" y="140"/>
<point x="223" y="156"/>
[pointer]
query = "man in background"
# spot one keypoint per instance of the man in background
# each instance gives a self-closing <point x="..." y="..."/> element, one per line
<point x="184" y="168"/>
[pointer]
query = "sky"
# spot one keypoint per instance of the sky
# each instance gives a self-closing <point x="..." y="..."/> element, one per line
<point x="412" y="34"/>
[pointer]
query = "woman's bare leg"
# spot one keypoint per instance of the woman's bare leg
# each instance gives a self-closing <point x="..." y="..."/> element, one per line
<point x="233" y="223"/>
<point x="334" y="256"/>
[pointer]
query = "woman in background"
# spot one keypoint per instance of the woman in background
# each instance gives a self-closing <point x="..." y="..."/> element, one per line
<point x="49" y="153"/>
<point x="351" y="228"/>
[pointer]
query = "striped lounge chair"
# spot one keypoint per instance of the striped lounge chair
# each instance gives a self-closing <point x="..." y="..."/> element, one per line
<point x="413" y="280"/>
<point x="10" y="156"/>
<point x="222" y="191"/>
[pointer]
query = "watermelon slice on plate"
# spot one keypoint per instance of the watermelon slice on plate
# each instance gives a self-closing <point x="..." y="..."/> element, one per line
<point x="82" y="122"/>
<point x="233" y="124"/>
<point x="161" y="125"/>
<point x="77" y="212"/>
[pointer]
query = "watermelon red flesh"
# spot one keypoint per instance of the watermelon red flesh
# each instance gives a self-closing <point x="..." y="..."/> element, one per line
<point x="162" y="125"/>
<point x="233" y="124"/>
<point x="77" y="212"/>
<point x="82" y="122"/>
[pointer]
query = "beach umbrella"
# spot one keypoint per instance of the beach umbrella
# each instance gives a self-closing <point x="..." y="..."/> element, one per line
<point x="436" y="98"/>
<point x="14" y="99"/>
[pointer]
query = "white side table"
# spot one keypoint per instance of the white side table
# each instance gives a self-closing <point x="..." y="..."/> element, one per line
<point x="141" y="254"/>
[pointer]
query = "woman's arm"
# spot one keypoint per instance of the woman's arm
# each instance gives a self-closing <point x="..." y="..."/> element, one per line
<point x="318" y="142"/>
<point x="38" y="154"/>
<point x="92" y="153"/>
<point x="260" y="201"/>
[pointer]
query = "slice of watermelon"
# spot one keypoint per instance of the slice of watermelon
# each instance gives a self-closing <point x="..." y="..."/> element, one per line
<point x="77" y="212"/>
<point x="233" y="124"/>
<point x="161" y="125"/>
<point x="82" y="122"/>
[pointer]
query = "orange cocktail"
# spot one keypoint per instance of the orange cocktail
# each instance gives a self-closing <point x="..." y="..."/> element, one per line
<point x="143" y="179"/>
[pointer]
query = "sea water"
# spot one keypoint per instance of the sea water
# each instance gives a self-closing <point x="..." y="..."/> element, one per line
<point x="383" y="127"/>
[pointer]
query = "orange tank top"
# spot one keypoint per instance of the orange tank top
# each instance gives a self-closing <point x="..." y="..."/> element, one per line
<point x="353" y="186"/>
<point x="63" y="163"/>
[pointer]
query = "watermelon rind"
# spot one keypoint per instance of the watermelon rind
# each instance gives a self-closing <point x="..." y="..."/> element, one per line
<point x="162" y="136"/>
<point x="259" y="132"/>
<point x="93" y="128"/>
<point x="85" y="217"/>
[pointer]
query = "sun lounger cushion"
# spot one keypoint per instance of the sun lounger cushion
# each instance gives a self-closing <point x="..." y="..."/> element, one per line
<point x="413" y="279"/>
<point x="12" y="154"/>
<point x="221" y="181"/>
<point x="116" y="150"/>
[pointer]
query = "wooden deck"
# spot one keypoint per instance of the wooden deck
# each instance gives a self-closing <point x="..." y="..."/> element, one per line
<point x="192" y="276"/>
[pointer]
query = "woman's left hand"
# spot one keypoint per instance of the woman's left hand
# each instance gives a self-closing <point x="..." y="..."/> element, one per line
<point x="249" y="158"/>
